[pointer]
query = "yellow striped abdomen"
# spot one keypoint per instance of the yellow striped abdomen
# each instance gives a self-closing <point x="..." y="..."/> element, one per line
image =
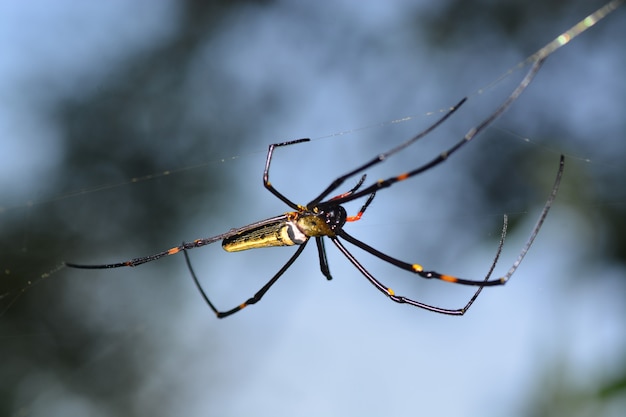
<point x="280" y="233"/>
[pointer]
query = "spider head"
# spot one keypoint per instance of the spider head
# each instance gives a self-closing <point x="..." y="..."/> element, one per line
<point x="335" y="217"/>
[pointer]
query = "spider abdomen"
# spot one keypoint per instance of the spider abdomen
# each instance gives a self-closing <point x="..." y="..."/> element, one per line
<point x="279" y="233"/>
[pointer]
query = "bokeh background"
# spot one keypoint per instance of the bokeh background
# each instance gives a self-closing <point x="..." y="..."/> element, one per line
<point x="127" y="128"/>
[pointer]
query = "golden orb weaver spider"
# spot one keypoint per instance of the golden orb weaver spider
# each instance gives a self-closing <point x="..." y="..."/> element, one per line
<point x="326" y="217"/>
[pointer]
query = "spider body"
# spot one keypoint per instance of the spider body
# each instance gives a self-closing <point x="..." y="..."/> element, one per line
<point x="292" y="228"/>
<point x="324" y="218"/>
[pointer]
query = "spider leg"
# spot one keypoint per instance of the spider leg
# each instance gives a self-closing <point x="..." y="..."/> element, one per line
<point x="442" y="156"/>
<point x="142" y="260"/>
<point x="356" y="187"/>
<point x="404" y="300"/>
<point x="417" y="268"/>
<point x="364" y="207"/>
<point x="252" y="300"/>
<point x="266" y="173"/>
<point x="542" y="217"/>
<point x="337" y="182"/>
<point x="462" y="311"/>
<point x="321" y="251"/>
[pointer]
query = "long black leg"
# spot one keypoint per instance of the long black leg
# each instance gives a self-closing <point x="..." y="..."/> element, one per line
<point x="171" y="251"/>
<point x="266" y="173"/>
<point x="405" y="300"/>
<point x="542" y="217"/>
<point x="252" y="300"/>
<point x="416" y="268"/>
<point x="493" y="266"/>
<point x="353" y="189"/>
<point x="362" y="209"/>
<point x="321" y="251"/>
<point x="337" y="183"/>
<point x="434" y="162"/>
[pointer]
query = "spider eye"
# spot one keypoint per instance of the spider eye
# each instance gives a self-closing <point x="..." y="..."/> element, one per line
<point x="335" y="217"/>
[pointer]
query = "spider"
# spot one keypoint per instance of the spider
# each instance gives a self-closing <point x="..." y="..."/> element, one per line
<point x="325" y="217"/>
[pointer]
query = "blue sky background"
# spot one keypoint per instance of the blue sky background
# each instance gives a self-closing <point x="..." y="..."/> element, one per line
<point x="99" y="94"/>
